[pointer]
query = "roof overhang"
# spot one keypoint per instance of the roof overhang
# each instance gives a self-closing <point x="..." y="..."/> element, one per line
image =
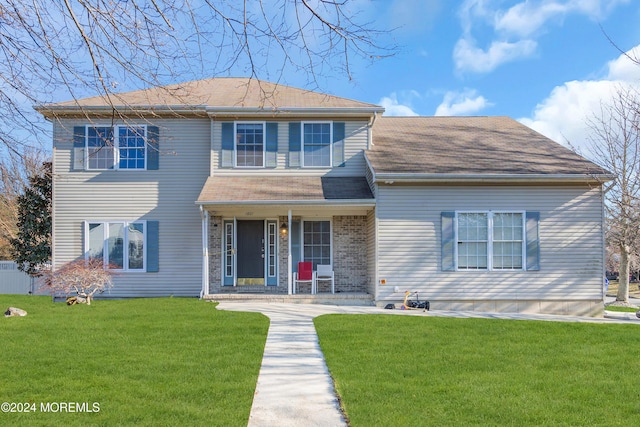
<point x="275" y="208"/>
<point x="345" y="202"/>
<point x="423" y="178"/>
<point x="51" y="111"/>
<point x="292" y="111"/>
<point x="202" y="110"/>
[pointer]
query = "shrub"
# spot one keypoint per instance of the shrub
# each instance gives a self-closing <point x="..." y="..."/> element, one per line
<point x="82" y="278"/>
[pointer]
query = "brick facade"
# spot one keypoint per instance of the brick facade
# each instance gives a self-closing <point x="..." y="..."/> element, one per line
<point x="350" y="253"/>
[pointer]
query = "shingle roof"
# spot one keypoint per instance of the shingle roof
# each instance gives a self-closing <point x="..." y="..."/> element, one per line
<point x="221" y="93"/>
<point x="230" y="189"/>
<point x="469" y="146"/>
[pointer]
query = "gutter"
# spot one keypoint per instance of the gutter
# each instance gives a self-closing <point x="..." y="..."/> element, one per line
<point x="323" y="202"/>
<point x="410" y="178"/>
<point x="218" y="111"/>
<point x="51" y="111"/>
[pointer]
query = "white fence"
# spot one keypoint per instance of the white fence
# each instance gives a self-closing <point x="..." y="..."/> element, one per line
<point x="14" y="281"/>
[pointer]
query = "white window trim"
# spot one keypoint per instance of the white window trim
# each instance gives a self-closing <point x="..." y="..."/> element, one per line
<point x="303" y="220"/>
<point x="271" y="223"/>
<point x="105" y="256"/>
<point x="235" y="144"/>
<point x="116" y="146"/>
<point x="226" y="223"/>
<point x="490" y="215"/>
<point x="330" y="123"/>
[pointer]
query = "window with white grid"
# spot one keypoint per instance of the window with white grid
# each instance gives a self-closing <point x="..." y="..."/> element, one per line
<point x="490" y="240"/>
<point x="250" y="144"/>
<point x="116" y="147"/>
<point x="317" y="144"/>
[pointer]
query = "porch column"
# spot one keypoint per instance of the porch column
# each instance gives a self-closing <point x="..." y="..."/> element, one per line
<point x="289" y="260"/>
<point x="204" y="214"/>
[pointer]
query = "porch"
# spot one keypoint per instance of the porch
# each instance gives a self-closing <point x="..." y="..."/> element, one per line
<point x="253" y="239"/>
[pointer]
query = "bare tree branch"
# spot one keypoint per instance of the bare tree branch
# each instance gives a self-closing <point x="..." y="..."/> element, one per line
<point x="55" y="50"/>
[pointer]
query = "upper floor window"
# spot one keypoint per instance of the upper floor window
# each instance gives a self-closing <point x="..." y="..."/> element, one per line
<point x="117" y="147"/>
<point x="316" y="142"/>
<point x="249" y="144"/>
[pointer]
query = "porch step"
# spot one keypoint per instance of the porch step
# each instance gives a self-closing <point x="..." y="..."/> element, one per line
<point x="342" y="298"/>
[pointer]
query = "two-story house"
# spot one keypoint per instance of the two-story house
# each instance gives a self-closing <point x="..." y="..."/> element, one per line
<point x="222" y="186"/>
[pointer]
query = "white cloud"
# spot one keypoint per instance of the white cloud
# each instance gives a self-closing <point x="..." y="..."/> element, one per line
<point x="393" y="108"/>
<point x="564" y="114"/>
<point x="461" y="103"/>
<point x="515" y="29"/>
<point x="468" y="57"/>
<point x="626" y="67"/>
<point x="524" y="19"/>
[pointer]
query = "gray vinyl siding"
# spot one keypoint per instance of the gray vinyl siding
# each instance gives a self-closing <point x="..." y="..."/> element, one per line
<point x="370" y="181"/>
<point x="166" y="195"/>
<point x="571" y="245"/>
<point x="356" y="138"/>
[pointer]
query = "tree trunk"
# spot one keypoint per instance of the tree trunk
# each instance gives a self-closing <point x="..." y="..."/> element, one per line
<point x="623" y="276"/>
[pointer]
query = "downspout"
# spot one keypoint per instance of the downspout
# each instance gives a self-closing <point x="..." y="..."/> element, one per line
<point x="289" y="259"/>
<point x="369" y="127"/>
<point x="204" y="215"/>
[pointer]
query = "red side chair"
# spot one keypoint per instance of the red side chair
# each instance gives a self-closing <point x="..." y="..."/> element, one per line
<point x="304" y="275"/>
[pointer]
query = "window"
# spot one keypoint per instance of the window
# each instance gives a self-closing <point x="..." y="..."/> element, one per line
<point x="490" y="240"/>
<point x="316" y="144"/>
<point x="472" y="241"/>
<point x="100" y="145"/>
<point x="117" y="147"/>
<point x="317" y="242"/>
<point x="132" y="147"/>
<point x="120" y="244"/>
<point x="508" y="235"/>
<point x="228" y="248"/>
<point x="249" y="144"/>
<point x="271" y="248"/>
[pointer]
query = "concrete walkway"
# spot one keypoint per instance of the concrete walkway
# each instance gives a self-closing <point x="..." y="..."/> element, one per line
<point x="294" y="386"/>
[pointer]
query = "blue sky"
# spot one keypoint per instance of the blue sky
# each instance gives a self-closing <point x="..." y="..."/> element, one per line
<point x="547" y="63"/>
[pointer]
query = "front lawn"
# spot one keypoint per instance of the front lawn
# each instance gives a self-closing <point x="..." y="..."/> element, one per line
<point x="172" y="361"/>
<point x="405" y="370"/>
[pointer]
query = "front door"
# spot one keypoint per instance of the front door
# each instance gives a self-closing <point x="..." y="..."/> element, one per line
<point x="250" y="252"/>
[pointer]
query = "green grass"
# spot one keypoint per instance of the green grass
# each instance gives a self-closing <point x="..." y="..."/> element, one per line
<point x="152" y="362"/>
<point x="401" y="371"/>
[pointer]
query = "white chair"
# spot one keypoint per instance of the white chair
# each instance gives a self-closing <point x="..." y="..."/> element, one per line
<point x="324" y="273"/>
